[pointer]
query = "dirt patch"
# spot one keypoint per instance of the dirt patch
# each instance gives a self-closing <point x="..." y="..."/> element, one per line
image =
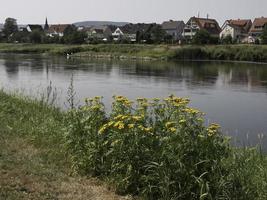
<point x="25" y="174"/>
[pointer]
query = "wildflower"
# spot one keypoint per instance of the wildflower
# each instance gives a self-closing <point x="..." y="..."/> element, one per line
<point x="173" y="130"/>
<point x="110" y="123"/>
<point x="149" y="129"/>
<point x="182" y="121"/>
<point x="130" y="126"/>
<point x="118" y="117"/>
<point x="137" y="118"/>
<point x="169" y="124"/>
<point x="102" y="129"/>
<point x="212" y="129"/>
<point x="119" y="125"/>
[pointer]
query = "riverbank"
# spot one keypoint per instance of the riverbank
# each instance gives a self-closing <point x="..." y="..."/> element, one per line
<point x="33" y="164"/>
<point x="252" y="53"/>
<point x="42" y="146"/>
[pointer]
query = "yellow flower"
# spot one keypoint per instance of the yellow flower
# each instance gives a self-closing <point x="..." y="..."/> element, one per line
<point x="130" y="126"/>
<point x="121" y="126"/>
<point x="118" y="117"/>
<point x="102" y="129"/>
<point x="212" y="129"/>
<point x="182" y="121"/>
<point x="173" y="130"/>
<point x="137" y="118"/>
<point x="168" y="124"/>
<point x="149" y="129"/>
<point x="110" y="123"/>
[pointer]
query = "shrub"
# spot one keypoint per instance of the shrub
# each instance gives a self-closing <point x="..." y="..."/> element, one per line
<point x="156" y="149"/>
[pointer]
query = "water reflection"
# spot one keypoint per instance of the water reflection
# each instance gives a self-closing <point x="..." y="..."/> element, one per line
<point x="232" y="94"/>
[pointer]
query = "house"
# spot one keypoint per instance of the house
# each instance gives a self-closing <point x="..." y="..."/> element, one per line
<point x="131" y="32"/>
<point x="237" y="29"/>
<point x="195" y="24"/>
<point x="57" y="30"/>
<point x="124" y="33"/>
<point x="100" y="33"/>
<point x="174" y="29"/>
<point x="257" y="27"/>
<point x="34" y="27"/>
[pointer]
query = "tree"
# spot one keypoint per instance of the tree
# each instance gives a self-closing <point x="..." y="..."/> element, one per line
<point x="10" y="27"/>
<point x="227" y="39"/>
<point x="36" y="36"/>
<point x="73" y="36"/>
<point x="202" y="37"/>
<point x="264" y="35"/>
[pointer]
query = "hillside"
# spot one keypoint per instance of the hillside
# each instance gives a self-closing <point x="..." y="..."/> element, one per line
<point x="99" y="23"/>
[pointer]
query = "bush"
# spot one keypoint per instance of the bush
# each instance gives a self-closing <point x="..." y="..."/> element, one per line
<point x="156" y="149"/>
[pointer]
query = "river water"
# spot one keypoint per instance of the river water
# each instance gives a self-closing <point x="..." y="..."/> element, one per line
<point x="231" y="94"/>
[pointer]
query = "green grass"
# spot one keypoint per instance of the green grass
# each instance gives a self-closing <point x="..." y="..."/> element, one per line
<point x="255" y="53"/>
<point x="33" y="162"/>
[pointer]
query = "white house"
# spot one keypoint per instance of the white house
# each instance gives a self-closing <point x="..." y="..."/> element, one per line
<point x="237" y="29"/>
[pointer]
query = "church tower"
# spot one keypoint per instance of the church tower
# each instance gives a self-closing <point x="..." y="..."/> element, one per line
<point x="46" y="26"/>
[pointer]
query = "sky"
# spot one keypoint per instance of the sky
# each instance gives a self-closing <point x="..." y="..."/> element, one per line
<point x="66" y="11"/>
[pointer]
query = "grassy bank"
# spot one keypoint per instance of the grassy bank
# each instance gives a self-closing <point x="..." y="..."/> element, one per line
<point x="33" y="163"/>
<point x="155" y="149"/>
<point x="255" y="53"/>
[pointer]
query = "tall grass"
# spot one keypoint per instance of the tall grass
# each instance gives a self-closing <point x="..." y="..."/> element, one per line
<point x="160" y="149"/>
<point x="257" y="53"/>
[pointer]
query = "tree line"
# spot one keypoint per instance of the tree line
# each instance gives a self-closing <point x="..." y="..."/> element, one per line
<point x="153" y="35"/>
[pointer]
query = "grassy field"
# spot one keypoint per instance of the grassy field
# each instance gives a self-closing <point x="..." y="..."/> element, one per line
<point x="255" y="53"/>
<point x="33" y="163"/>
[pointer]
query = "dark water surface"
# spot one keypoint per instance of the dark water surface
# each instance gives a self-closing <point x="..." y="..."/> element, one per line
<point x="231" y="94"/>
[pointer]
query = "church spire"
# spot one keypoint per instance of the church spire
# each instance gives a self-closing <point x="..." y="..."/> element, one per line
<point x="46" y="26"/>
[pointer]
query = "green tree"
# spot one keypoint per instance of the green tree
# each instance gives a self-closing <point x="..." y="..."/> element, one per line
<point x="264" y="35"/>
<point x="73" y="36"/>
<point x="10" y="27"/>
<point x="36" y="36"/>
<point x="227" y="39"/>
<point x="202" y="37"/>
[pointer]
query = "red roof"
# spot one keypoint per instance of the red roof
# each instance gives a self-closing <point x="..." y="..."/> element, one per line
<point x="258" y="22"/>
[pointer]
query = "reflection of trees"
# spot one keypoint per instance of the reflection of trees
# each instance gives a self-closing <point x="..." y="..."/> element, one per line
<point x="11" y="64"/>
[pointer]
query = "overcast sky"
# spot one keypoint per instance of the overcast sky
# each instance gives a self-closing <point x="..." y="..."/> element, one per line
<point x="70" y="11"/>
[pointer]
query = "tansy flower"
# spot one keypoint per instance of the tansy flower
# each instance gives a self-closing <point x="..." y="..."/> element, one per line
<point x="130" y="126"/>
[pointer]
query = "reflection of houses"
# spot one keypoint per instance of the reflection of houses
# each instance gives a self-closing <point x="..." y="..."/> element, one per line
<point x="195" y="24"/>
<point x="101" y="33"/>
<point x="34" y="27"/>
<point x="257" y="28"/>
<point x="57" y="30"/>
<point x="174" y="29"/>
<point x="237" y="29"/>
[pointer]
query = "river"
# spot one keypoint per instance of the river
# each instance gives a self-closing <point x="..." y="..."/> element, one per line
<point x="231" y="94"/>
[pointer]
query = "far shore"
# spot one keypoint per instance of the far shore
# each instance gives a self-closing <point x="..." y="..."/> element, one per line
<point x="249" y="53"/>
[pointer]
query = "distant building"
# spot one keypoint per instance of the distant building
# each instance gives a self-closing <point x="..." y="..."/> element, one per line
<point x="99" y="33"/>
<point x="257" y="27"/>
<point x="46" y="26"/>
<point x="34" y="27"/>
<point x="124" y="33"/>
<point x="131" y="32"/>
<point x="237" y="29"/>
<point x="174" y="29"/>
<point x="195" y="24"/>
<point x="57" y="30"/>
